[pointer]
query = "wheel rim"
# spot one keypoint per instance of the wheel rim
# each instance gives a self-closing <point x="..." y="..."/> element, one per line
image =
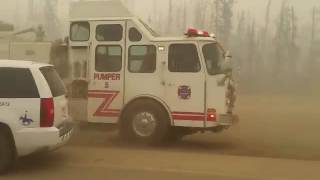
<point x="144" y="124"/>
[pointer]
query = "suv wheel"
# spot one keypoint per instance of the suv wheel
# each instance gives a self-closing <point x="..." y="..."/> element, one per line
<point x="6" y="152"/>
<point x="145" y="121"/>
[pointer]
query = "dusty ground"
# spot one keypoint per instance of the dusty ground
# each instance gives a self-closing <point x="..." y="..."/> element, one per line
<point x="270" y="126"/>
<point x="278" y="126"/>
<point x="277" y="138"/>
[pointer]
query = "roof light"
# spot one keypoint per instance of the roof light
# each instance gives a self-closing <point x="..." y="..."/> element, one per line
<point x="213" y="35"/>
<point x="192" y="32"/>
<point x="161" y="48"/>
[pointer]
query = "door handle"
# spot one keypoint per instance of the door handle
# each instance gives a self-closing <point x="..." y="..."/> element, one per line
<point x="171" y="84"/>
<point x="163" y="82"/>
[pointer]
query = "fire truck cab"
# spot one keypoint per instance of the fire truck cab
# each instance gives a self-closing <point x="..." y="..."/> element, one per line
<point x="153" y="87"/>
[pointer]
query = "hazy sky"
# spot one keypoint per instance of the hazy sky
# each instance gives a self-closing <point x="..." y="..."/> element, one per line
<point x="7" y="10"/>
<point x="255" y="7"/>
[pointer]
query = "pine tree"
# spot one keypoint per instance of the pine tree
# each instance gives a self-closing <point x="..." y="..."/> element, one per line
<point x="287" y="51"/>
<point x="170" y="18"/>
<point x="199" y="13"/>
<point x="314" y="55"/>
<point x="239" y="41"/>
<point x="184" y="15"/>
<point x="31" y="10"/>
<point x="224" y="14"/>
<point x="52" y="24"/>
<point x="265" y="33"/>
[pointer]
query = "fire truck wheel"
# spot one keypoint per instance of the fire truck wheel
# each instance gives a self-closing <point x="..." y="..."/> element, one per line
<point x="6" y="152"/>
<point x="145" y="121"/>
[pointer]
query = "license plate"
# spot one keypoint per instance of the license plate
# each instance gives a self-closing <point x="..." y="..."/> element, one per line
<point x="66" y="136"/>
<point x="65" y="129"/>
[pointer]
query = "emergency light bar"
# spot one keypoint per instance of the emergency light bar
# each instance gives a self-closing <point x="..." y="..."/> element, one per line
<point x="192" y="32"/>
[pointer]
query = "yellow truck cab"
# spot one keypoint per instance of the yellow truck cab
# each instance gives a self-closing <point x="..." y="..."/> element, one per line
<point x="153" y="87"/>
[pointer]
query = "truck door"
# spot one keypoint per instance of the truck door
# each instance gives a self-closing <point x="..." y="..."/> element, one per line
<point x="185" y="85"/>
<point x="220" y="92"/>
<point x="105" y="93"/>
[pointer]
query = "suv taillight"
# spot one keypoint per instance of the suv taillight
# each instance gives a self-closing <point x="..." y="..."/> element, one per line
<point x="47" y="112"/>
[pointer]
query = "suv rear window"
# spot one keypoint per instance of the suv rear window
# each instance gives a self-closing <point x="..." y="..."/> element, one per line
<point x="55" y="83"/>
<point x="17" y="83"/>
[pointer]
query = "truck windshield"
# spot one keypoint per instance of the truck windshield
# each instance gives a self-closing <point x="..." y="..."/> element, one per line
<point x="153" y="33"/>
<point x="214" y="58"/>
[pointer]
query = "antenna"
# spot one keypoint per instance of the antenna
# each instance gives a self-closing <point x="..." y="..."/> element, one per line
<point x="51" y="19"/>
<point x="16" y="17"/>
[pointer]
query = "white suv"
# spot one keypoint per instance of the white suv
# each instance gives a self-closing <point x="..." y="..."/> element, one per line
<point x="33" y="110"/>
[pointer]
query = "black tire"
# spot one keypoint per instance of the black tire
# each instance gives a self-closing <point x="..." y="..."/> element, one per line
<point x="162" y="125"/>
<point x="6" y="152"/>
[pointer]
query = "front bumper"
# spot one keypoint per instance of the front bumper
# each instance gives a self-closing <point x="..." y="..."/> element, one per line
<point x="227" y="119"/>
<point x="31" y="140"/>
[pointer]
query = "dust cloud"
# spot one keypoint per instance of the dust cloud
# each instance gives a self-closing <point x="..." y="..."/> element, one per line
<point x="276" y="64"/>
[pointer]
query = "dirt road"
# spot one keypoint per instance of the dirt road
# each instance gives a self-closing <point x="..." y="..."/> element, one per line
<point x="76" y="162"/>
<point x="277" y="139"/>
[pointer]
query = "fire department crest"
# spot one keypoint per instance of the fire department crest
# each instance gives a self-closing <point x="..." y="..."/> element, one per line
<point x="184" y="92"/>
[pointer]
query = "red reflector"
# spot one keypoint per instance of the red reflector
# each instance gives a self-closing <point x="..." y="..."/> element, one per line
<point x="47" y="112"/>
<point x="211" y="115"/>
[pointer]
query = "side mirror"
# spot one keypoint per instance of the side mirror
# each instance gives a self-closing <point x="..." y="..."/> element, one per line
<point x="226" y="66"/>
<point x="66" y="40"/>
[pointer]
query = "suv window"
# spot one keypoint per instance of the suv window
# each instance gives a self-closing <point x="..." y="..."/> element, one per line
<point x="17" y="83"/>
<point x="108" y="58"/>
<point x="183" y="58"/>
<point x="142" y="59"/>
<point x="80" y="31"/>
<point x="55" y="83"/>
<point x="109" y="32"/>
